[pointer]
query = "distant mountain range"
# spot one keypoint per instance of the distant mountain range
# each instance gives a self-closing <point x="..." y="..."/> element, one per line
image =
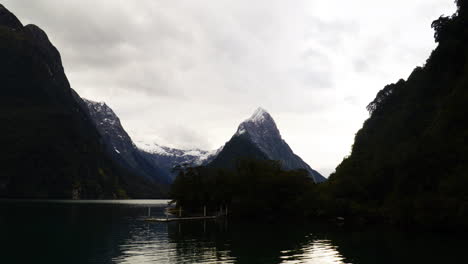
<point x="256" y="138"/>
<point x="169" y="158"/>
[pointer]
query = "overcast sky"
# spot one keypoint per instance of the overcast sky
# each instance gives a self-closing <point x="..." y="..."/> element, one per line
<point x="185" y="73"/>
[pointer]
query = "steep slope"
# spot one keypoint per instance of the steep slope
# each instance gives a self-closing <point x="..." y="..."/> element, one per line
<point x="259" y="138"/>
<point x="120" y="146"/>
<point x="50" y="148"/>
<point x="409" y="162"/>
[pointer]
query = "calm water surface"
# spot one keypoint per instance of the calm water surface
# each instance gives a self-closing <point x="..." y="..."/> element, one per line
<point x="114" y="232"/>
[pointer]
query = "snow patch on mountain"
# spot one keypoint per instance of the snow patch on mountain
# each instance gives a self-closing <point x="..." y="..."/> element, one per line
<point x="258" y="116"/>
<point x="195" y="157"/>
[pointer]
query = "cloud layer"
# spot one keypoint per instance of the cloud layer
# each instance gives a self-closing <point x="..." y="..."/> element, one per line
<point x="185" y="73"/>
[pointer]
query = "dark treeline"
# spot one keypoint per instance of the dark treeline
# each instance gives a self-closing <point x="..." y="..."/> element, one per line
<point x="254" y="188"/>
<point x="408" y="165"/>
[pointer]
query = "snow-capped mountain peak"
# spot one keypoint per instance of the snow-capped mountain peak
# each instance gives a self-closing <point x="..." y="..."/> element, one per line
<point x="258" y="126"/>
<point x="259" y="137"/>
<point x="260" y="115"/>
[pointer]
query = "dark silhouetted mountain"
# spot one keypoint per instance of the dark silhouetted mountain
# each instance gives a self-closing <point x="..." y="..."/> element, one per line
<point x="259" y="138"/>
<point x="7" y="19"/>
<point x="50" y="146"/>
<point x="121" y="147"/>
<point x="409" y="162"/>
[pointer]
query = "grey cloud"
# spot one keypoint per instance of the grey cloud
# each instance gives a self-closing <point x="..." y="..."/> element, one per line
<point x="351" y="100"/>
<point x="331" y="33"/>
<point x="360" y="65"/>
<point x="186" y="72"/>
<point x="184" y="137"/>
<point x="314" y="77"/>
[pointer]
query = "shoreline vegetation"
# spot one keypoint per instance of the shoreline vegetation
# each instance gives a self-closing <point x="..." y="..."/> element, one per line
<point x="255" y="188"/>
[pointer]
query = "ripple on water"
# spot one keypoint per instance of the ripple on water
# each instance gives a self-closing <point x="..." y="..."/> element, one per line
<point x="149" y="243"/>
<point x="316" y="252"/>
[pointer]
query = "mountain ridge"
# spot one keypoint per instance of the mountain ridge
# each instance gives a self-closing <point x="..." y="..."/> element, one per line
<point x="119" y="144"/>
<point x="256" y="137"/>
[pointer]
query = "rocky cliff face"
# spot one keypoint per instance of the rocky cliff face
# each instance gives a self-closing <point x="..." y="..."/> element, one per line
<point x="258" y="137"/>
<point x="152" y="161"/>
<point x="50" y="147"/>
<point x="121" y="147"/>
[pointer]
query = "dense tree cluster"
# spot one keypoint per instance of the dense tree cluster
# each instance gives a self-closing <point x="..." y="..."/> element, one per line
<point x="254" y="188"/>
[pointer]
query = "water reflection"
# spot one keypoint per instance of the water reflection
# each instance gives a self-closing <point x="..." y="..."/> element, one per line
<point x="318" y="251"/>
<point x="91" y="232"/>
<point x="252" y="243"/>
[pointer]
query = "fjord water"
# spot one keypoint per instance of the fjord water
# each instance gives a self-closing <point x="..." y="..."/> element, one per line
<point x="115" y="232"/>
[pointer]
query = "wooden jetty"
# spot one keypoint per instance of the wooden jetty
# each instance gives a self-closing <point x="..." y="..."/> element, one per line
<point x="169" y="211"/>
<point x="171" y="219"/>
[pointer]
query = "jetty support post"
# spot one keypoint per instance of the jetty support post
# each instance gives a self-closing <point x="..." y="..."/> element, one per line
<point x="204" y="210"/>
<point x="149" y="211"/>
<point x="180" y="211"/>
